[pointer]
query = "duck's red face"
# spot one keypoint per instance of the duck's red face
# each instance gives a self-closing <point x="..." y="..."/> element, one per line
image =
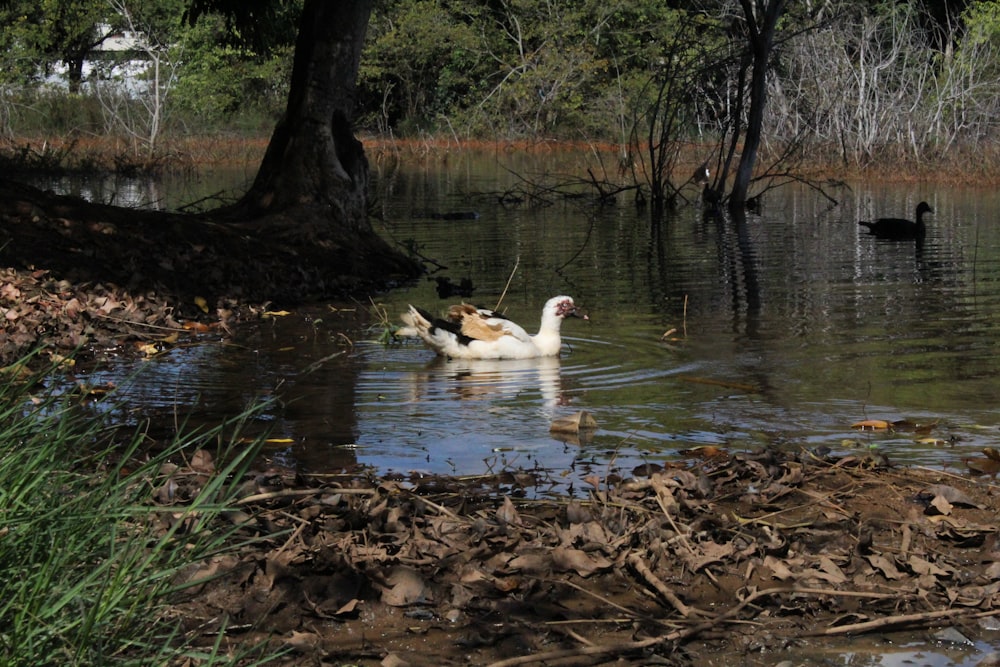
<point x="566" y="308"/>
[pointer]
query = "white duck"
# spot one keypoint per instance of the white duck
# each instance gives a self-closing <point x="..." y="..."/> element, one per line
<point x="477" y="333"/>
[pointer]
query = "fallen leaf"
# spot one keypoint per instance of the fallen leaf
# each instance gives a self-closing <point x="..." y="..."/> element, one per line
<point x="708" y="553"/>
<point x="872" y="425"/>
<point x="394" y="660"/>
<point x="407" y="587"/>
<point x="704" y="452"/>
<point x="348" y="609"/>
<point x="982" y="466"/>
<point x="885" y="566"/>
<point x="507" y="514"/>
<point x="202" y="461"/>
<point x="921" y="566"/>
<point x="949" y="493"/>
<point x="535" y="563"/>
<point x="941" y="504"/>
<point x="197" y="327"/>
<point x="579" y="561"/>
<point x="302" y="641"/>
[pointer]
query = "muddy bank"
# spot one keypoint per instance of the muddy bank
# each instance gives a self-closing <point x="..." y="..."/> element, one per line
<point x="731" y="555"/>
<point x="78" y="275"/>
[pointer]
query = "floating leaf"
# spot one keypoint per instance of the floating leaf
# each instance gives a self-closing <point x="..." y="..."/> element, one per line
<point x="907" y="425"/>
<point x="580" y="421"/>
<point x="872" y="425"/>
<point x="197" y="327"/>
<point x="201" y="303"/>
<point x="704" y="452"/>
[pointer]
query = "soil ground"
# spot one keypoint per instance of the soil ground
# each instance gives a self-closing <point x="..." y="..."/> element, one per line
<point x="727" y="558"/>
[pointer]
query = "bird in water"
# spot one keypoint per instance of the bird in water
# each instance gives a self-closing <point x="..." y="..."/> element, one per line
<point x="899" y="228"/>
<point x="477" y="333"/>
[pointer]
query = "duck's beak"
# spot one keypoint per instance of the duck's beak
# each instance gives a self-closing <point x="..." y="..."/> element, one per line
<point x="576" y="312"/>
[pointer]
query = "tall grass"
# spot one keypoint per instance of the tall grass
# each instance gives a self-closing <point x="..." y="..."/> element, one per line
<point x="88" y="564"/>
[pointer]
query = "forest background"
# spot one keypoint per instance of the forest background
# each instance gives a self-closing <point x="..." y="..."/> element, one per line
<point x="853" y="86"/>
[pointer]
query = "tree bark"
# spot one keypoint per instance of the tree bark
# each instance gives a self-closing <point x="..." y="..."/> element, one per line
<point x="762" y="20"/>
<point x="312" y="184"/>
<point x="313" y="159"/>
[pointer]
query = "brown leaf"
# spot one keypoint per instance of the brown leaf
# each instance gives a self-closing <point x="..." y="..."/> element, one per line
<point x="579" y="421"/>
<point x="941" y="504"/>
<point x="885" y="566"/>
<point x="348" y="609"/>
<point x="507" y="514"/>
<point x="710" y="552"/>
<point x="202" y="461"/>
<point x="982" y="466"/>
<point x="778" y="567"/>
<point x="10" y="292"/>
<point x="303" y="641"/>
<point x="949" y="493"/>
<point x="579" y="561"/>
<point x="407" y="587"/>
<point x="577" y="513"/>
<point x="394" y="660"/>
<point x="921" y="567"/>
<point x="831" y="570"/>
<point x="536" y="563"/>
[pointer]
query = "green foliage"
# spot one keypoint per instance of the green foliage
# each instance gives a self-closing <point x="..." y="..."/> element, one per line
<point x="221" y="81"/>
<point x="87" y="560"/>
<point x="514" y="68"/>
<point x="41" y="33"/>
<point x="417" y="62"/>
<point x="980" y="48"/>
<point x="521" y="68"/>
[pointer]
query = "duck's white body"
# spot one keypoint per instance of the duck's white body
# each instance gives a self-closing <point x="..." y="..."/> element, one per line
<point x="476" y="333"/>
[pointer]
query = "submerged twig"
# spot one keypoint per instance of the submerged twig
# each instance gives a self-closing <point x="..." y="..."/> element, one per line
<point x="510" y="279"/>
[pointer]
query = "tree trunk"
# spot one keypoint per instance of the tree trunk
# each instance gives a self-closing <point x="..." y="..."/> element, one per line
<point x="74" y="67"/>
<point x="761" y="37"/>
<point x="312" y="185"/>
<point x="313" y="159"/>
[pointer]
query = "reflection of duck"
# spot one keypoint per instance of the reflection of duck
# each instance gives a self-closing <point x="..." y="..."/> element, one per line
<point x="492" y="379"/>
<point x="899" y="228"/>
<point x="447" y="289"/>
<point x="476" y="333"/>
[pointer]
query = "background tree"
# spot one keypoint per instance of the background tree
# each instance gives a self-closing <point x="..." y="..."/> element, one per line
<point x="761" y="25"/>
<point x="41" y="34"/>
<point x="417" y="64"/>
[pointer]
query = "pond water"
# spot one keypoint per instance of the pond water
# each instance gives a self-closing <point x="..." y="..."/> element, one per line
<point x="785" y="332"/>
